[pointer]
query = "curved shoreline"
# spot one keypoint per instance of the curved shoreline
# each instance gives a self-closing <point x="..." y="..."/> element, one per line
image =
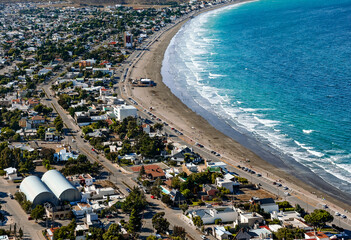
<point x="175" y="112"/>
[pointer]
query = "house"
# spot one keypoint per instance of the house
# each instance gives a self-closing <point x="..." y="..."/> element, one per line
<point x="81" y="209"/>
<point x="11" y="174"/>
<point x="146" y="128"/>
<point x="261" y="233"/>
<point x="52" y="136"/>
<point x="36" y="120"/>
<point x="208" y="216"/>
<point x="285" y="216"/>
<point x="81" y="180"/>
<point x="267" y="204"/>
<point x="243" y="235"/>
<point x="177" y="198"/>
<point x="248" y="219"/>
<point x="50" y="232"/>
<point x="25" y="123"/>
<point x="223" y="166"/>
<point x="316" y="235"/>
<point x="179" y="154"/>
<point x="62" y="154"/>
<point x="151" y="171"/>
<point x="227" y="184"/>
<point x="189" y="168"/>
<point x="210" y="190"/>
<point x="221" y="233"/>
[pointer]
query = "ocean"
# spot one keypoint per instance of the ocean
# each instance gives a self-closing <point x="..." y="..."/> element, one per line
<point x="275" y="71"/>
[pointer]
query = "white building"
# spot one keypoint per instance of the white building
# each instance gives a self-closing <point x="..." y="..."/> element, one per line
<point x="208" y="216"/>
<point x="248" y="219"/>
<point x="227" y="184"/>
<point x="124" y="111"/>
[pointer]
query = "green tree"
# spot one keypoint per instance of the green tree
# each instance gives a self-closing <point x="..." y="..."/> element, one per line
<point x="166" y="199"/>
<point x="160" y="224"/>
<point x="134" y="224"/>
<point x="135" y="200"/>
<point x="20" y="233"/>
<point x="113" y="233"/>
<point x="38" y="212"/>
<point x="179" y="232"/>
<point x="156" y="191"/>
<point x="289" y="233"/>
<point x="318" y="218"/>
<point x="197" y="221"/>
<point x="142" y="171"/>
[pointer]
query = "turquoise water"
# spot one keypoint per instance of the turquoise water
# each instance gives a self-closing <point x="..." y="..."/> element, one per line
<point x="277" y="71"/>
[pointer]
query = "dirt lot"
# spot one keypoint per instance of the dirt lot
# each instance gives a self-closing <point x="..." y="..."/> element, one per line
<point x="249" y="193"/>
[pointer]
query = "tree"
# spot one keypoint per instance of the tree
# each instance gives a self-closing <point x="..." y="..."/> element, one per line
<point x="179" y="232"/>
<point x="300" y="210"/>
<point x="318" y="218"/>
<point x="20" y="233"/>
<point x="134" y="224"/>
<point x="156" y="191"/>
<point x="38" y="212"/>
<point x="160" y="224"/>
<point x="166" y="199"/>
<point x="142" y="171"/>
<point x="113" y="233"/>
<point x="59" y="126"/>
<point x="135" y="200"/>
<point x="197" y="221"/>
<point x="184" y="207"/>
<point x="218" y="221"/>
<point x="151" y="237"/>
<point x="289" y="233"/>
<point x="187" y="193"/>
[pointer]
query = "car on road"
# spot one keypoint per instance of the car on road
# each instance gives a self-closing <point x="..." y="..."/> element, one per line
<point x="337" y="214"/>
<point x="343" y="216"/>
<point x="285" y="188"/>
<point x="259" y="175"/>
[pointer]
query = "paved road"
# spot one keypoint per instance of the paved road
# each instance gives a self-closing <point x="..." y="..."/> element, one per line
<point x="30" y="229"/>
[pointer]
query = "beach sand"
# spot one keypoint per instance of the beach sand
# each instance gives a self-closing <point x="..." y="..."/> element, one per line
<point x="171" y="110"/>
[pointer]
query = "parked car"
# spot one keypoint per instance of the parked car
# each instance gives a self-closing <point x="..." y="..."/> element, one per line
<point x="337" y="214"/>
<point x="152" y="196"/>
<point x="128" y="190"/>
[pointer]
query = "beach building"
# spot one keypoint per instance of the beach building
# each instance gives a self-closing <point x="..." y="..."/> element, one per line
<point x="124" y="111"/>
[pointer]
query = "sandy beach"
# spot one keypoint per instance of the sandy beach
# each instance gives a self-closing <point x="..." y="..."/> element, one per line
<point x="173" y="111"/>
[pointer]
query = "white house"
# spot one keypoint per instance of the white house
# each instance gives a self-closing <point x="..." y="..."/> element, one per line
<point x="227" y="184"/>
<point x="124" y="111"/>
<point x="248" y="219"/>
<point x="268" y="205"/>
<point x="208" y="216"/>
<point x="221" y="233"/>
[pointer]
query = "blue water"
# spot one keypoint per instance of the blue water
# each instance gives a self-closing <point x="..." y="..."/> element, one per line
<point x="279" y="71"/>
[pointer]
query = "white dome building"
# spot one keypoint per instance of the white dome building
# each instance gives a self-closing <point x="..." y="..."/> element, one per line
<point x="36" y="191"/>
<point x="60" y="186"/>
